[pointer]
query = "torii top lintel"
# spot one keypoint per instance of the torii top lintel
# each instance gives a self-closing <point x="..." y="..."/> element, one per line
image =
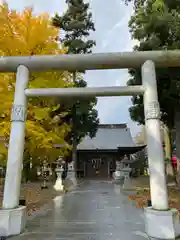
<point x="74" y="62"/>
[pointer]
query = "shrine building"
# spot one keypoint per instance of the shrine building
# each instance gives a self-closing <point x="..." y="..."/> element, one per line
<point x="96" y="157"/>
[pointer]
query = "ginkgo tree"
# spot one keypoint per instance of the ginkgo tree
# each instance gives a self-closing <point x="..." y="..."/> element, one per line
<point x="25" y="34"/>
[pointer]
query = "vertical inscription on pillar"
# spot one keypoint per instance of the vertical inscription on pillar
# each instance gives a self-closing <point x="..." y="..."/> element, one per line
<point x="153" y="110"/>
<point x="18" y="113"/>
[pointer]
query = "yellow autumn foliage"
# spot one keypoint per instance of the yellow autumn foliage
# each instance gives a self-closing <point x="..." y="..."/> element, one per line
<point x="25" y="34"/>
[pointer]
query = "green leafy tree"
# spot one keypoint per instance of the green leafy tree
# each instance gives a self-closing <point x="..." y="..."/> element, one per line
<point x="156" y="25"/>
<point x="77" y="24"/>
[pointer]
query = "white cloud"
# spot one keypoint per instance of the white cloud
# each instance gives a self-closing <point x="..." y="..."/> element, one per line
<point x="117" y="27"/>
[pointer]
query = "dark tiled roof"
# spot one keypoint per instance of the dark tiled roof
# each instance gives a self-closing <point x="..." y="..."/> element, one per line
<point x="108" y="137"/>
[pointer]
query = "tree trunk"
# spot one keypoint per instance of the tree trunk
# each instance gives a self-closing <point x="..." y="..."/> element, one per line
<point x="177" y="129"/>
<point x="74" y="142"/>
<point x="170" y="170"/>
<point x="74" y="155"/>
<point x="167" y="143"/>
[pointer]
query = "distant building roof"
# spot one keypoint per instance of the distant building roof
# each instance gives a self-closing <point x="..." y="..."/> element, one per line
<point x="108" y="136"/>
<point x="60" y="145"/>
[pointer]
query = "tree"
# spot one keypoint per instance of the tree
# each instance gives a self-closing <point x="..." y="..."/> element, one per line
<point x="26" y="34"/>
<point x="156" y="28"/>
<point x="77" y="24"/>
<point x="156" y="25"/>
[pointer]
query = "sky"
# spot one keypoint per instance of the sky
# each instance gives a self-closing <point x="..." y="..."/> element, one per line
<point x="112" y="35"/>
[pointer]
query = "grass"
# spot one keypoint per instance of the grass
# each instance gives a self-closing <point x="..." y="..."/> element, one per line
<point x="142" y="194"/>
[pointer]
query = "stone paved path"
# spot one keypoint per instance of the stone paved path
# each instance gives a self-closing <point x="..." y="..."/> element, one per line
<point x="94" y="211"/>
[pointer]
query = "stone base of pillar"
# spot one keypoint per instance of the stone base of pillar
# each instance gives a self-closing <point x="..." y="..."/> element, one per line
<point x="12" y="221"/>
<point x="59" y="185"/>
<point x="162" y="224"/>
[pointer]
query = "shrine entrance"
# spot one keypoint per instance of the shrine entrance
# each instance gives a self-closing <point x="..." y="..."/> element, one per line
<point x="95" y="169"/>
<point x="23" y="65"/>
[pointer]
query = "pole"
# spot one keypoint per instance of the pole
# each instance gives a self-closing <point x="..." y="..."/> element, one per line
<point x="158" y="185"/>
<point x="84" y="92"/>
<point x="16" y="142"/>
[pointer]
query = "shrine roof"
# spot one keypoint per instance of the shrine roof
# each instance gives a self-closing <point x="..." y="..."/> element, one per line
<point x="108" y="136"/>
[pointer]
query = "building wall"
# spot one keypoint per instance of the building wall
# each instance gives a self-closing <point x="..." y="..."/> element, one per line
<point x="94" y="165"/>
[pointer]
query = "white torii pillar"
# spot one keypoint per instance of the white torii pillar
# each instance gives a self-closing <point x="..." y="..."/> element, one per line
<point x="13" y="216"/>
<point x="160" y="221"/>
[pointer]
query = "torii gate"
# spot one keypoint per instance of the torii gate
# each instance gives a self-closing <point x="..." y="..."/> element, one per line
<point x="161" y="222"/>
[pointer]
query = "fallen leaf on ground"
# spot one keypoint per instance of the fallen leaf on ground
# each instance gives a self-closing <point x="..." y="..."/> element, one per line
<point x="34" y="196"/>
<point x="143" y="195"/>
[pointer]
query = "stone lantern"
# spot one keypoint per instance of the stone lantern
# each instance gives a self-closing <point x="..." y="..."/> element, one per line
<point x="71" y="173"/>
<point x="118" y="176"/>
<point x="59" y="170"/>
<point x="45" y="173"/>
<point x="125" y="171"/>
